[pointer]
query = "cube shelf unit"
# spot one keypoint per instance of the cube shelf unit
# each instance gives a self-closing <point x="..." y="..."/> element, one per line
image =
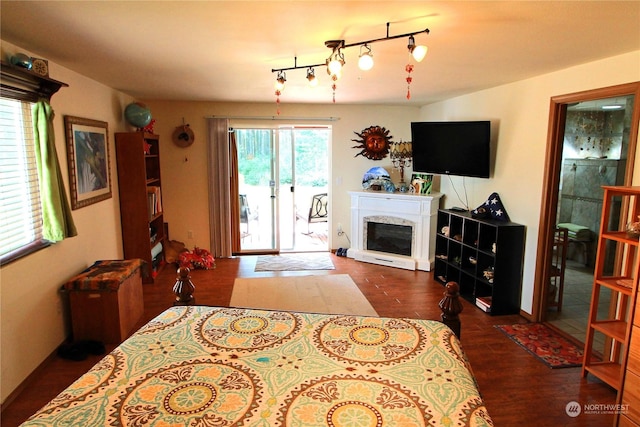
<point x="467" y="247"/>
<point x="616" y="361"/>
<point x="143" y="229"/>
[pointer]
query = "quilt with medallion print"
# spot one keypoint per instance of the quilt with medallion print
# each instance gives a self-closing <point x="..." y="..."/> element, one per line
<point x="212" y="366"/>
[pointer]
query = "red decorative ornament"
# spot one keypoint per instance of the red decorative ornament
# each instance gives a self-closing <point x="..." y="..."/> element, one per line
<point x="334" y="87"/>
<point x="409" y="70"/>
<point x="149" y="127"/>
<point x="278" y="93"/>
<point x="198" y="259"/>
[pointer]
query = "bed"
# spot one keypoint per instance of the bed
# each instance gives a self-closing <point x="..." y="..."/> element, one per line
<point x="221" y="366"/>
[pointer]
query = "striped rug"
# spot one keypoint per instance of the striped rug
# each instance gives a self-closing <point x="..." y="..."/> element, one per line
<point x="295" y="262"/>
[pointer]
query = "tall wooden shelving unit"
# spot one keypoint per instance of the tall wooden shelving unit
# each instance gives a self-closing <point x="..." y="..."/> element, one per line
<point x="610" y="363"/>
<point x="138" y="159"/>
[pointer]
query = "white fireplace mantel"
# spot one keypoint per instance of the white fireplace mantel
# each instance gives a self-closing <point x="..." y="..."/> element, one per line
<point x="420" y="210"/>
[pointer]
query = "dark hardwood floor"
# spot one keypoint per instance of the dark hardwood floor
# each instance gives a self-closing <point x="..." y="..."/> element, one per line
<point x="518" y="389"/>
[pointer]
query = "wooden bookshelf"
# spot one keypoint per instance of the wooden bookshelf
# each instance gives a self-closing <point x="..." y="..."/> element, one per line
<point x="139" y="180"/>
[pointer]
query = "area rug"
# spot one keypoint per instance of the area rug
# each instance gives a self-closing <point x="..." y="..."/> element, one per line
<point x="295" y="262"/>
<point x="543" y="342"/>
<point x="327" y="294"/>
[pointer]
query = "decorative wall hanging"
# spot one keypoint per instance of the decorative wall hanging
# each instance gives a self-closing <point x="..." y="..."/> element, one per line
<point x="409" y="70"/>
<point x="374" y="143"/>
<point x="183" y="135"/>
<point x="88" y="160"/>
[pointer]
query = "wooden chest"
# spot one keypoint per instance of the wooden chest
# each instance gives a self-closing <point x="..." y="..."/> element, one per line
<point x="106" y="301"/>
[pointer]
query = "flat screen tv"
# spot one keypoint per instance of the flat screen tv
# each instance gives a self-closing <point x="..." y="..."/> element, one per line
<point x="452" y="148"/>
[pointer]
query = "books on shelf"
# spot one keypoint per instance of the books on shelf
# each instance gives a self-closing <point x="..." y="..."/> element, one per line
<point x="484" y="304"/>
<point x="154" y="200"/>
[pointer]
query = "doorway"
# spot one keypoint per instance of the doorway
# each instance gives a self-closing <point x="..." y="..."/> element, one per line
<point x="280" y="170"/>
<point x="592" y="142"/>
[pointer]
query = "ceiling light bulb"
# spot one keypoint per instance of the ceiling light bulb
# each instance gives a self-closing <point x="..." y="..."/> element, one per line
<point x="335" y="65"/>
<point x="365" y="62"/>
<point x="419" y="52"/>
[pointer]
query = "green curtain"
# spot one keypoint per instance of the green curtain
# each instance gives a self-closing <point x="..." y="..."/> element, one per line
<point x="57" y="221"/>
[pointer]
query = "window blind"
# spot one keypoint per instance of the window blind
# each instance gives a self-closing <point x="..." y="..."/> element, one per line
<point x="20" y="210"/>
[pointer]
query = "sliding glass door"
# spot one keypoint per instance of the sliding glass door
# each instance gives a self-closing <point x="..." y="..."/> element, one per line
<point x="281" y="172"/>
<point x="257" y="166"/>
<point x="304" y="174"/>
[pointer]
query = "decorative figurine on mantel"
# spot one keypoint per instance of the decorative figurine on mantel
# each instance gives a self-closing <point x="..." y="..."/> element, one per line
<point x="376" y="179"/>
<point x="184" y="288"/>
<point x="401" y="158"/>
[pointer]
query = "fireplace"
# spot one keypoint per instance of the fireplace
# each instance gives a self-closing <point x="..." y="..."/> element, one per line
<point x="394" y="229"/>
<point x="389" y="235"/>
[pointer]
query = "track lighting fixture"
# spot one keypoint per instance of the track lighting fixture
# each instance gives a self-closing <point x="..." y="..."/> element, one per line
<point x="365" y="61"/>
<point x="280" y="79"/>
<point x="311" y="77"/>
<point x="335" y="62"/>
<point x="418" y="52"/>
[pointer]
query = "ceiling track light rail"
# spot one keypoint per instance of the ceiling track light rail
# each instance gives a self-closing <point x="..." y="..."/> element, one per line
<point x="335" y="62"/>
<point x="340" y="44"/>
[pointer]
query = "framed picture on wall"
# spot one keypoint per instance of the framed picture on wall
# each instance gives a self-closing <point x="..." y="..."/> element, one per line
<point x="421" y="183"/>
<point x="88" y="160"/>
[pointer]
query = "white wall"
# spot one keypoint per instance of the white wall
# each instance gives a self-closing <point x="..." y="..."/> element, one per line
<point x="33" y="323"/>
<point x="520" y="113"/>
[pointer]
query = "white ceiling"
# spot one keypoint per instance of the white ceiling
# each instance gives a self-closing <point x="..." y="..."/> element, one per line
<point x="225" y="50"/>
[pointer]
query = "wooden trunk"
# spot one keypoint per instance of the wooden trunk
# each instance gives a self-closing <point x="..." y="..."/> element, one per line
<point x="107" y="315"/>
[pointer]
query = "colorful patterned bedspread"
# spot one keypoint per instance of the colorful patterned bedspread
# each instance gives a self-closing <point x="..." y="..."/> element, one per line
<point x="208" y="366"/>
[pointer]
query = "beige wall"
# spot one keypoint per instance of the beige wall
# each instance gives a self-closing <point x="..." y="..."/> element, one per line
<point x="184" y="170"/>
<point x="32" y="321"/>
<point x="520" y="114"/>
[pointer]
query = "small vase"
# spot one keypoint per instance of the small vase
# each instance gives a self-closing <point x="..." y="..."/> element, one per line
<point x="22" y="60"/>
<point x="633" y="229"/>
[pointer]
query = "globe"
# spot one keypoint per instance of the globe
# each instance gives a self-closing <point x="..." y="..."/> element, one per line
<point x="137" y="114"/>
